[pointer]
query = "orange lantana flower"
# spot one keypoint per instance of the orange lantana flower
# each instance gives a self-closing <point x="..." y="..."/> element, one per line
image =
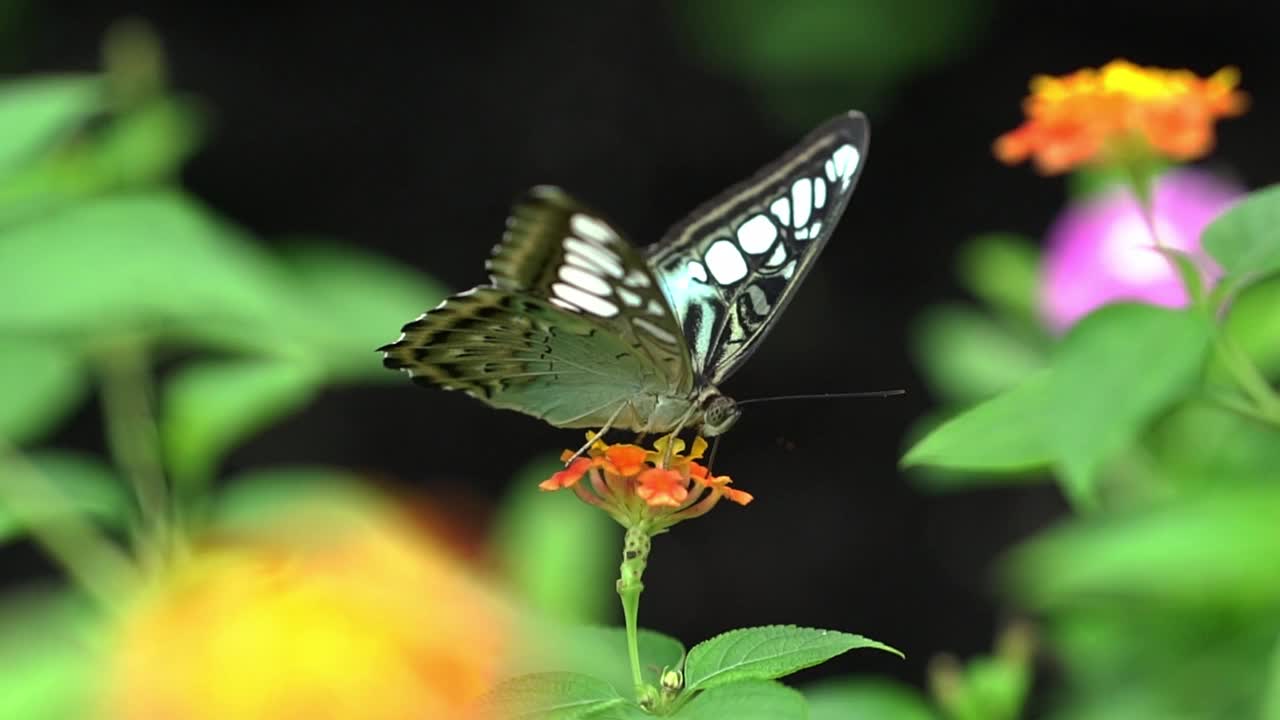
<point x="1107" y="114"/>
<point x="656" y="488"/>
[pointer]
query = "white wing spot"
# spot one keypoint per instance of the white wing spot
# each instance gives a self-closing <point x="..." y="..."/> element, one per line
<point x="757" y="234"/>
<point x="579" y="261"/>
<point x="592" y="228"/>
<point x="781" y="209"/>
<point x="830" y="168"/>
<point x="585" y="300"/>
<point x="802" y="233"/>
<point x="725" y="262"/>
<point x="564" y="305"/>
<point x="628" y="297"/>
<point x="819" y="193"/>
<point x="609" y="262"/>
<point x="789" y="270"/>
<point x="585" y="280"/>
<point x="846" y="159"/>
<point x="778" y="257"/>
<point x="809" y="233"/>
<point x="655" y="308"/>
<point x="697" y="272"/>
<point x="636" y="278"/>
<point x="654" y="330"/>
<point x="801" y="196"/>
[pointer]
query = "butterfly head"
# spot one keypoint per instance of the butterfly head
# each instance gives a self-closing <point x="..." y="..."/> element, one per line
<point x="719" y="413"/>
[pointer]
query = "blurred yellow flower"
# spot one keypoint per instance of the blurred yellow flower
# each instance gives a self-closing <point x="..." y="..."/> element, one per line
<point x="369" y="619"/>
<point x="1101" y="115"/>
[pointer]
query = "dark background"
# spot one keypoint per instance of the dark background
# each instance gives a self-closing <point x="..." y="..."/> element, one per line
<point x="407" y="130"/>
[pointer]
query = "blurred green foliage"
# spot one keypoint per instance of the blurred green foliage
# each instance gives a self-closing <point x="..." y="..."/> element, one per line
<point x="797" y="56"/>
<point x="1158" y="599"/>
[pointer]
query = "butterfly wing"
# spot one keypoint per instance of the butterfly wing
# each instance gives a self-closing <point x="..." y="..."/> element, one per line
<point x="519" y="352"/>
<point x="730" y="267"/>
<point x="572" y="329"/>
<point x="557" y="249"/>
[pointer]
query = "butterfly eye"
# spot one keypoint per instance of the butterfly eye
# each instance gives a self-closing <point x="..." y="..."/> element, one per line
<point x="719" y="414"/>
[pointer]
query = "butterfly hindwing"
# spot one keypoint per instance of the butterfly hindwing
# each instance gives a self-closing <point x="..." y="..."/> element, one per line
<point x="517" y="351"/>
<point x="557" y="249"/>
<point x="731" y="266"/>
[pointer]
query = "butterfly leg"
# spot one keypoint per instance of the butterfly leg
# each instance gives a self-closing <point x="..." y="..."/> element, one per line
<point x="608" y="424"/>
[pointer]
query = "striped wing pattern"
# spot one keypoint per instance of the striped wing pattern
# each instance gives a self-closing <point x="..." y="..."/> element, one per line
<point x="730" y="267"/>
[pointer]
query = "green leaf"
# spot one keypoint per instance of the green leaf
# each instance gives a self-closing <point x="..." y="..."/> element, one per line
<point x="1006" y="433"/>
<point x="259" y="499"/>
<point x="1254" y="324"/>
<point x="1271" y="696"/>
<point x="597" y="651"/>
<point x="1245" y="240"/>
<point x="746" y="700"/>
<point x="552" y="696"/>
<point x="765" y="653"/>
<point x="49" y="666"/>
<point x="149" y="260"/>
<point x="209" y="408"/>
<point x="36" y="112"/>
<point x="549" y="550"/>
<point x="354" y="303"/>
<point x="88" y="485"/>
<point x="866" y="699"/>
<point x="1003" y="270"/>
<point x="40" y="384"/>
<point x="967" y="356"/>
<point x="1114" y="372"/>
<point x="1200" y="444"/>
<point x="1216" y="548"/>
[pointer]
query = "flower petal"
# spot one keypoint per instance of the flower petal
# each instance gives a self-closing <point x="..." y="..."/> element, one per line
<point x="567" y="477"/>
<point x="661" y="488"/>
<point x="625" y="460"/>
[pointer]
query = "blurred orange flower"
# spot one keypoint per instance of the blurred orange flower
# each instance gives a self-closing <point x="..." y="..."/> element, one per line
<point x="1104" y="115"/>
<point x="368" y="620"/>
<point x="658" y="488"/>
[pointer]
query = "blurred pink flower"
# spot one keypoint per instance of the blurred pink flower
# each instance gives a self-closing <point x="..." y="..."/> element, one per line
<point x="1101" y="250"/>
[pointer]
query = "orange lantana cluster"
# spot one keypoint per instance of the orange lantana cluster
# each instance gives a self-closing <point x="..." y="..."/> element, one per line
<point x="658" y="487"/>
<point x="1106" y="114"/>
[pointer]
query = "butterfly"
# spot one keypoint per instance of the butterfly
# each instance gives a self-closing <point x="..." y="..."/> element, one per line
<point x="581" y="329"/>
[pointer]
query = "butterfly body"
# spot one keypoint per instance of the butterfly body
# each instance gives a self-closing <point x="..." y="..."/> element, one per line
<point x="580" y="329"/>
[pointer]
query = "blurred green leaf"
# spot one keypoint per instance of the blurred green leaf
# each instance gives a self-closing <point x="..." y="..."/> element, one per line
<point x="1201" y="444"/>
<point x="552" y="696"/>
<point x="1254" y="322"/>
<point x="1003" y="270"/>
<point x="746" y="700"/>
<point x="355" y="302"/>
<point x="987" y="688"/>
<point x="1115" y="370"/>
<point x="866" y="699"/>
<point x="591" y="650"/>
<point x="155" y="260"/>
<point x="1271" y="696"/>
<point x="1245" y="240"/>
<point x="1211" y="549"/>
<point x="36" y="112"/>
<point x="800" y="57"/>
<point x="969" y="357"/>
<point x="146" y="144"/>
<point x="209" y="408"/>
<point x="549" y="550"/>
<point x="40" y="384"/>
<point x="1006" y="433"/>
<point x="765" y="653"/>
<point x="261" y="498"/>
<point x="49" y="662"/>
<point x="88" y="486"/>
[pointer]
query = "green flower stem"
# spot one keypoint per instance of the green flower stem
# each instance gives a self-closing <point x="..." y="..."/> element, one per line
<point x="635" y="556"/>
<point x="135" y="441"/>
<point x="1265" y="402"/>
<point x="92" y="560"/>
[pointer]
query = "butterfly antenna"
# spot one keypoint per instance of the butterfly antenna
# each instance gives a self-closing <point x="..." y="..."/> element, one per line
<point x="827" y="396"/>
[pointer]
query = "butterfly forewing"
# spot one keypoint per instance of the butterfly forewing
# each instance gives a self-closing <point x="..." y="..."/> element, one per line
<point x="557" y="249"/>
<point x="731" y="266"/>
